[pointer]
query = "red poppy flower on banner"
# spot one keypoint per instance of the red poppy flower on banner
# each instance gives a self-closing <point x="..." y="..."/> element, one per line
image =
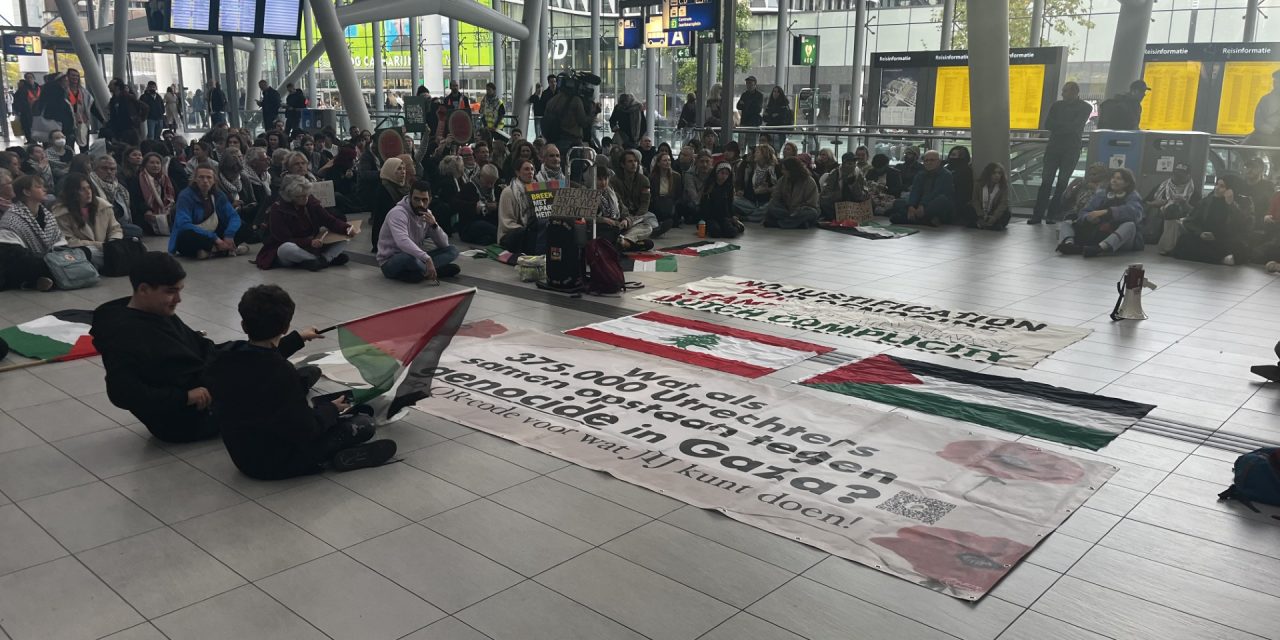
<point x="1013" y="461"/>
<point x="964" y="562"/>
<point x="481" y="329"/>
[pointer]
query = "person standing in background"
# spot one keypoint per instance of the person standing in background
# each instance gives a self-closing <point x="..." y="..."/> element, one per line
<point x="270" y="103"/>
<point x="1065" y="123"/>
<point x="751" y="104"/>
<point x="1266" y="124"/>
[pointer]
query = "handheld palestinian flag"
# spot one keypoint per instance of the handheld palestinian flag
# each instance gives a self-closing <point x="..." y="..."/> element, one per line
<point x="648" y="262"/>
<point x="701" y="248"/>
<point x="744" y="353"/>
<point x="57" y="337"/>
<point x="1044" y="411"/>
<point x="387" y="358"/>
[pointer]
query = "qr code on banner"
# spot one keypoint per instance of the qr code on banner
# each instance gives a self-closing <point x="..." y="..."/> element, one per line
<point x="910" y="505"/>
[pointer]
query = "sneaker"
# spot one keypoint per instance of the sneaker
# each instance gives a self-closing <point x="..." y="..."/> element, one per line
<point x="1230" y="261"/>
<point x="1273" y="267"/>
<point x="339" y="260"/>
<point x="448" y="271"/>
<point x="314" y="264"/>
<point x="1033" y="221"/>
<point x="242" y="249"/>
<point x="370" y="454"/>
<point x="202" y="255"/>
<point x="644" y="245"/>
<point x="1068" y="248"/>
<point x="44" y="284"/>
<point x="1091" y="251"/>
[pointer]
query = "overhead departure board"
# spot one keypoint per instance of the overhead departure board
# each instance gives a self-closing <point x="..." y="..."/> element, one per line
<point x="237" y="16"/>
<point x="1171" y="103"/>
<point x="1209" y="87"/>
<point x="189" y="15"/>
<point x="280" y="18"/>
<point x="1243" y="85"/>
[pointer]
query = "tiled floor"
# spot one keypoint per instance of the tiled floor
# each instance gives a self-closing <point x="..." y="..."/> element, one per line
<point x="106" y="533"/>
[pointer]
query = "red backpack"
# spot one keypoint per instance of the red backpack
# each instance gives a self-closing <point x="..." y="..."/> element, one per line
<point x="604" y="268"/>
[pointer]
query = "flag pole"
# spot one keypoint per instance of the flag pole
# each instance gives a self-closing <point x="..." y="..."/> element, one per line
<point x="26" y="365"/>
<point x="403" y="306"/>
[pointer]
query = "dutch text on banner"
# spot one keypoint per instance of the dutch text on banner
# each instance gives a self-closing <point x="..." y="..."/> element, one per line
<point x="928" y="501"/>
<point x="744" y="353"/>
<point x="984" y="337"/>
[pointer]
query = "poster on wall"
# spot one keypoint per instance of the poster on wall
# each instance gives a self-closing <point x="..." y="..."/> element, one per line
<point x="1209" y="87"/>
<point x="898" y="91"/>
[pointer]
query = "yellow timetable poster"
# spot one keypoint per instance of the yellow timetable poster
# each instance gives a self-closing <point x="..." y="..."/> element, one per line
<point x="1171" y="104"/>
<point x="1026" y="94"/>
<point x="1243" y="84"/>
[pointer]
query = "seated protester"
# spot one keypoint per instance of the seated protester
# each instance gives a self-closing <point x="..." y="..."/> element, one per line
<point x="991" y="199"/>
<point x="795" y="200"/>
<point x="521" y="150"/>
<point x="694" y="179"/>
<point x="632" y="232"/>
<point x="1256" y="186"/>
<point x="1109" y="223"/>
<point x="469" y="165"/>
<point x="297" y="164"/>
<point x="552" y="168"/>
<point x="685" y="160"/>
<point x="232" y="185"/>
<point x="155" y="364"/>
<point x="204" y="222"/>
<point x="824" y="163"/>
<point x="152" y="195"/>
<point x="715" y="208"/>
<point x="255" y="185"/>
<point x="87" y="221"/>
<point x="296" y="224"/>
<point x="446" y="188"/>
<point x="633" y="190"/>
<point x="408" y="226"/>
<point x="1264" y="239"/>
<point x="1168" y="203"/>
<point x="845" y="184"/>
<point x="201" y="153"/>
<point x="477" y="207"/>
<point x="755" y="182"/>
<point x="37" y="164"/>
<point x="270" y="428"/>
<point x="27" y="232"/>
<point x="340" y="170"/>
<point x="931" y="200"/>
<point x="958" y="163"/>
<point x="883" y="182"/>
<point x="278" y="157"/>
<point x="1217" y="229"/>
<point x="115" y="192"/>
<point x="59" y="154"/>
<point x="518" y="231"/>
<point x="6" y="190"/>
<point x="394" y="188"/>
<point x="910" y="166"/>
<point x="1081" y="190"/>
<point x="664" y="188"/>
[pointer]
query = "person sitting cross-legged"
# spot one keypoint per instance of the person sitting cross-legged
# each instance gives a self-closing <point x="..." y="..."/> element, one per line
<point x="633" y="229"/>
<point x="1109" y="223"/>
<point x="297" y="226"/>
<point x="931" y="199"/>
<point x="270" y="428"/>
<point x="400" y="242"/>
<point x="205" y="223"/>
<point x="794" y="204"/>
<point x="716" y="209"/>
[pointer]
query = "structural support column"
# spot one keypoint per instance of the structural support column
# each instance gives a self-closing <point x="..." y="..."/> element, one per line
<point x="415" y="54"/>
<point x="433" y="36"/>
<point x="308" y="34"/>
<point x="1037" y="22"/>
<point x="379" y="71"/>
<point x="500" y="66"/>
<point x="229" y="82"/>
<point x="455" y="52"/>
<point x="119" y="41"/>
<point x="92" y="76"/>
<point x="1130" y="45"/>
<point x="1251" y="20"/>
<point x="989" y="81"/>
<point x="784" y="45"/>
<point x="650" y="91"/>
<point x="596" y="9"/>
<point x="282" y="63"/>
<point x="527" y="60"/>
<point x="730" y="32"/>
<point x="344" y="73"/>
<point x="859" y="55"/>
<point x="544" y="59"/>
<point x="948" y="23"/>
<point x="307" y="67"/>
<point x="252" y="75"/>
<point x="700" y="88"/>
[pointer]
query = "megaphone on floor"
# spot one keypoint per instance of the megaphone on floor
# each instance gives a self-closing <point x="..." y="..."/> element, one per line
<point x="1129" y="305"/>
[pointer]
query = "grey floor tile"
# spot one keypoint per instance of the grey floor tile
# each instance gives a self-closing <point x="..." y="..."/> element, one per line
<point x="1205" y="557"/>
<point x="578" y="513"/>
<point x="409" y="437"/>
<point x="785" y="553"/>
<point x="25" y="543"/>
<point x="447" y="629"/>
<point x="514" y="540"/>
<point x="436" y="425"/>
<point x="63" y="600"/>
<point x="530" y="611"/>
<point x="333" y="513"/>
<point x="744" y="626"/>
<point x="818" y="612"/>
<point x="349" y="601"/>
<point x="15" y="436"/>
<point x="113" y="452"/>
<point x="36" y="471"/>
<point x="159" y="571"/>
<point x="716" y="570"/>
<point x="534" y="461"/>
<point x="1120" y="615"/>
<point x="636" y="498"/>
<point x="87" y="516"/>
<point x="637" y="597"/>
<point x="141" y="632"/>
<point x="1024" y="584"/>
<point x="469" y="468"/>
<point x="61" y="419"/>
<point x="175" y="491"/>
<point x="245" y="612"/>
<point x="20" y="389"/>
<point x="407" y="490"/>
<point x="441" y="571"/>
<point x="1037" y="626"/>
<point x="217" y="463"/>
<point x="1058" y="552"/>
<point x="253" y="541"/>
<point x="102" y="404"/>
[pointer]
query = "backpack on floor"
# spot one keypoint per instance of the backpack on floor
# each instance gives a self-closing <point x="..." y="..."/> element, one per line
<point x="604" y="268"/>
<point x="1257" y="478"/>
<point x="119" y="256"/>
<point x="564" y="256"/>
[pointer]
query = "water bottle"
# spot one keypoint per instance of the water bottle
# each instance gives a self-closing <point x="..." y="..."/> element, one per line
<point x="702" y="228"/>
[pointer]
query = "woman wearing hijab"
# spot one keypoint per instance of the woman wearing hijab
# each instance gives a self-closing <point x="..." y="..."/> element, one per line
<point x="991" y="199"/>
<point x="958" y="163"/>
<point x="1217" y="230"/>
<point x="716" y="204"/>
<point x="27" y="232"/>
<point x="394" y="179"/>
<point x="152" y="196"/>
<point x="1109" y="222"/>
<point x="87" y="221"/>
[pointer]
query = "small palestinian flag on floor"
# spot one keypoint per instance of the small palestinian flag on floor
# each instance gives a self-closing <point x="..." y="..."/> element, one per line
<point x="648" y="261"/>
<point x="870" y="230"/>
<point x="744" y="353"/>
<point x="59" y="336"/>
<point x="701" y="248"/>
<point x="1044" y="411"/>
<point x="386" y="359"/>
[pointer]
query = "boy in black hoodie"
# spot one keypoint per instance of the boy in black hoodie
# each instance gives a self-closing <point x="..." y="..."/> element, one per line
<point x="270" y="428"/>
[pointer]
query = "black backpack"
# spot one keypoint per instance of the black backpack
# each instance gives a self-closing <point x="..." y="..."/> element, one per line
<point x="564" y="255"/>
<point x="118" y="256"/>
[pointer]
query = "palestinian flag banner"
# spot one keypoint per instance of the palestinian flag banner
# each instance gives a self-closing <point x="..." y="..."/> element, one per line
<point x="701" y="248"/>
<point x="1044" y="411"/>
<point x="744" y="353"/>
<point x="648" y="262"/>
<point x="57" y="337"/>
<point x="387" y="359"/>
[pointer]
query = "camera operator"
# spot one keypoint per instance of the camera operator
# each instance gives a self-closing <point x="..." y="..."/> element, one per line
<point x="571" y="113"/>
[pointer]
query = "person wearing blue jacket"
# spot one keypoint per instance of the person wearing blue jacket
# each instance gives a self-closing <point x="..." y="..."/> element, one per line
<point x="1109" y="223"/>
<point x="932" y="197"/>
<point x="205" y="223"/>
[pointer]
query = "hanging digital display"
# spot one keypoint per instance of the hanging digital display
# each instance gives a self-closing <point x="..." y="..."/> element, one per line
<point x="1209" y="87"/>
<point x="280" y="18"/>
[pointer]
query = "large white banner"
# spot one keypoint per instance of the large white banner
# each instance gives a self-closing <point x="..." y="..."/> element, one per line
<point x="984" y="337"/>
<point x="933" y="502"/>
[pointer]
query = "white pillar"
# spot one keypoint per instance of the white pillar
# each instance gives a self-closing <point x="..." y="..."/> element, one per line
<point x="344" y="73"/>
<point x="544" y="53"/>
<point x="948" y="22"/>
<point x="310" y="40"/>
<point x="306" y="66"/>
<point x="93" y="78"/>
<point x="379" y="72"/>
<point x="784" y="44"/>
<point x="989" y="81"/>
<point x="596" y="8"/>
<point x="415" y="54"/>
<point x="120" y="41"/>
<point x="729" y="70"/>
<point x="455" y="52"/>
<point x="252" y="75"/>
<point x="229" y="83"/>
<point x="433" y="54"/>
<point x="500" y="70"/>
<point x="650" y="91"/>
<point x="859" y="55"/>
<point x="1037" y="22"/>
<point x="527" y="60"/>
<point x="282" y="62"/>
<point x="1130" y="45"/>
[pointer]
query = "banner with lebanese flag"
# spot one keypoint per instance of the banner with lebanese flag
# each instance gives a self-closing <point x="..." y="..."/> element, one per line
<point x="387" y="358"/>
<point x="737" y="351"/>
<point x="57" y="337"/>
<point x="1044" y="411"/>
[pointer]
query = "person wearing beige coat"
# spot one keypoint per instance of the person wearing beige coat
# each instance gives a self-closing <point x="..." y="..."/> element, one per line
<point x="89" y="226"/>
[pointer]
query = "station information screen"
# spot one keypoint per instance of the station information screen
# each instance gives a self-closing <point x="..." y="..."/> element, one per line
<point x="690" y="15"/>
<point x="1171" y="103"/>
<point x="237" y="16"/>
<point x="630" y="33"/>
<point x="1209" y="87"/>
<point x="1243" y="85"/>
<point x="1026" y="97"/>
<point x="189" y="15"/>
<point x="280" y="18"/>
